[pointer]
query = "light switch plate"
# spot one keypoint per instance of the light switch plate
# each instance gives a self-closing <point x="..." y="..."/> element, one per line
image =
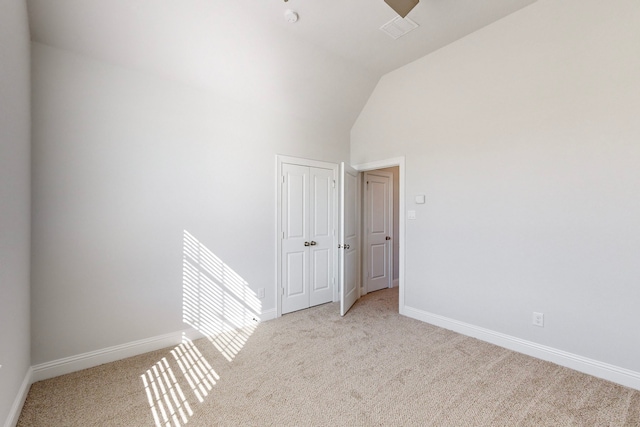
<point x="411" y="214"/>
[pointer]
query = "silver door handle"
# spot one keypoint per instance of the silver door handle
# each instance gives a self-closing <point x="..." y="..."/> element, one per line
<point x="387" y="238"/>
<point x="306" y="243"/>
<point x="347" y="246"/>
<point x="313" y="243"/>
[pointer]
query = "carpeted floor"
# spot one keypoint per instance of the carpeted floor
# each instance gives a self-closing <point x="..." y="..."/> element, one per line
<point x="371" y="368"/>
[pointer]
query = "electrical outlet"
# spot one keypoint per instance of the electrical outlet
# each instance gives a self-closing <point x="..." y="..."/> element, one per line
<point x="538" y="319"/>
<point x="260" y="293"/>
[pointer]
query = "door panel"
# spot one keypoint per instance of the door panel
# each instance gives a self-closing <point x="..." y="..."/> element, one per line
<point x="296" y="270"/>
<point x="378" y="268"/>
<point x="296" y="202"/>
<point x="320" y="197"/>
<point x="378" y="197"/>
<point x="321" y="279"/>
<point x="349" y="237"/>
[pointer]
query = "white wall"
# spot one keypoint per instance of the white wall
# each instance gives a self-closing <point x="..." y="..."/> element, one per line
<point x="237" y="49"/>
<point x="14" y="202"/>
<point x="124" y="162"/>
<point x="524" y="138"/>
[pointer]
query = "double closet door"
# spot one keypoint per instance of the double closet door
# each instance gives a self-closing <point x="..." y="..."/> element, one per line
<point x="307" y="236"/>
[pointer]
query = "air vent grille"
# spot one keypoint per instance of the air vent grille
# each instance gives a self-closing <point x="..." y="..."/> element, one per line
<point x="398" y="27"/>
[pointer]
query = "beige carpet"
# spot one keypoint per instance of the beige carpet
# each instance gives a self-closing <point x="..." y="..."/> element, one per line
<point x="371" y="368"/>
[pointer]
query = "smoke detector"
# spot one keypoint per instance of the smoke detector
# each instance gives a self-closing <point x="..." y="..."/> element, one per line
<point x="291" y="16"/>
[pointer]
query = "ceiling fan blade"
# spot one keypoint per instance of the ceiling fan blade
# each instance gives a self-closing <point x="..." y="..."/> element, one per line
<point x="402" y="7"/>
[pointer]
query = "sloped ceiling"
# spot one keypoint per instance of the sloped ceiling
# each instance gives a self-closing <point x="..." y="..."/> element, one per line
<point x="324" y="66"/>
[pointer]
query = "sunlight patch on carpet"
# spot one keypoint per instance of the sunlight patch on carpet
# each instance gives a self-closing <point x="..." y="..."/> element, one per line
<point x="168" y="403"/>
<point x="195" y="368"/>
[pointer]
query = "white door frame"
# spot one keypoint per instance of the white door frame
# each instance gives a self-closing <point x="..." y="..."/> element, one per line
<point x="365" y="214"/>
<point x="389" y="163"/>
<point x="280" y="160"/>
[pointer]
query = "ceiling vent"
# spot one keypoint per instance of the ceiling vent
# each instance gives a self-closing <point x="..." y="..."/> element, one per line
<point x="398" y="27"/>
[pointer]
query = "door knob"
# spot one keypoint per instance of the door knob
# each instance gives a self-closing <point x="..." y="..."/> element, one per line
<point x="347" y="246"/>
<point x="387" y="238"/>
<point x="306" y="243"/>
<point x="313" y="243"/>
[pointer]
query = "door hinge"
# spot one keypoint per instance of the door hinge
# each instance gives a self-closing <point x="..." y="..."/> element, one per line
<point x="334" y="184"/>
<point x="283" y="179"/>
<point x="282" y="291"/>
<point x="283" y="235"/>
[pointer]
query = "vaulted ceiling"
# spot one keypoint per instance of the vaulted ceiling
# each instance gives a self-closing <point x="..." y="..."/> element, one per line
<point x="331" y="58"/>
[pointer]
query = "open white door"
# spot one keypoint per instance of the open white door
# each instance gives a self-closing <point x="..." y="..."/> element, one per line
<point x="349" y="237"/>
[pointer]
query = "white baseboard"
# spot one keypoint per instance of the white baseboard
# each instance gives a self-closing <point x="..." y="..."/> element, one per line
<point x="268" y="315"/>
<point x="78" y="362"/>
<point x="16" y="408"/>
<point x="592" y="367"/>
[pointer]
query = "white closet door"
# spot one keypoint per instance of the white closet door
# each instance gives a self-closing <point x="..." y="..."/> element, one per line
<point x="307" y="244"/>
<point x="295" y="255"/>
<point x="321" y="235"/>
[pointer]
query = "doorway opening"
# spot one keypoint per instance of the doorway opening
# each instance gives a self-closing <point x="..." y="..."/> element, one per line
<point x="333" y="216"/>
<point x="380" y="229"/>
<point x="396" y="168"/>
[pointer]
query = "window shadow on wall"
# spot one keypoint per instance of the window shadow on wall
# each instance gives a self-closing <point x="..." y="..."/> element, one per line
<point x="217" y="301"/>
